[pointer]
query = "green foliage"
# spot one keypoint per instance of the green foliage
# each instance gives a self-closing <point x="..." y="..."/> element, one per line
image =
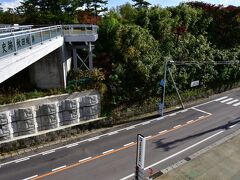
<point x="79" y="80"/>
<point x="136" y="65"/>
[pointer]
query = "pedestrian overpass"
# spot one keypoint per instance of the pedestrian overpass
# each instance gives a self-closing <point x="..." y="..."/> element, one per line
<point x="47" y="50"/>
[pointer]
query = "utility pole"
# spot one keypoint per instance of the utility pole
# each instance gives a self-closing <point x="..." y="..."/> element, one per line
<point x="166" y="69"/>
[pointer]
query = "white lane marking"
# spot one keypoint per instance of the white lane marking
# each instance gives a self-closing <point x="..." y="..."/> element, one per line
<point x="129" y="176"/>
<point x="72" y="145"/>
<point x="205" y="112"/>
<point x="189" y="122"/>
<point x="144" y="123"/>
<point x="30" y="177"/>
<point x="131" y="127"/>
<point x="185" y="110"/>
<point x="128" y="144"/>
<point x="232" y="126"/>
<point x="61" y="147"/>
<point x="231" y="102"/>
<point x="226" y="100"/>
<point x="112" y="133"/>
<point x="148" y="137"/>
<point x="93" y="139"/>
<point x="59" y="168"/>
<point x="173" y="114"/>
<point x="48" y="152"/>
<point x="105" y="152"/>
<point x="178" y="126"/>
<point x="22" y="159"/>
<point x="190" y="147"/>
<point x="237" y="104"/>
<point x="164" y="131"/>
<point x="159" y="118"/>
<point x="85" y="159"/>
<point x="201" y="117"/>
<point x="219" y="99"/>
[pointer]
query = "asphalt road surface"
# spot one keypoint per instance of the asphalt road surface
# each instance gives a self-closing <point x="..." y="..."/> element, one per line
<point x="112" y="156"/>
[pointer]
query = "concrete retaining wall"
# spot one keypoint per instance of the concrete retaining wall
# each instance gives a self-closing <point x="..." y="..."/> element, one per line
<point x="48" y="114"/>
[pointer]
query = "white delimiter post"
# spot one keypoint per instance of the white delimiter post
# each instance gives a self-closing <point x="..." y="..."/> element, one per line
<point x="140" y="159"/>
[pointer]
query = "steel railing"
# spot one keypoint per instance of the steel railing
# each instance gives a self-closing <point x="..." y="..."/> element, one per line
<point x="12" y="42"/>
<point x="15" y="41"/>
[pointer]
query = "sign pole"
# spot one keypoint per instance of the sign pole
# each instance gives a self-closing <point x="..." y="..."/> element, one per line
<point x="140" y="158"/>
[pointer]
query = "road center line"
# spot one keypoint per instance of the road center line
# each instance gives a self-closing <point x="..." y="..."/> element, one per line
<point x="189" y="122"/>
<point x="128" y="144"/>
<point x="31" y="177"/>
<point x="58" y="168"/>
<point x="178" y="126"/>
<point x="85" y="159"/>
<point x="162" y="132"/>
<point x="108" y="151"/>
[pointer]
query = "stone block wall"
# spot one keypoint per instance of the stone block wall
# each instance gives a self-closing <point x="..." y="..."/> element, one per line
<point x="49" y="115"/>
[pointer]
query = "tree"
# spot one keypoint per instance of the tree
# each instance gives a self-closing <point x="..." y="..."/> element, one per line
<point x="99" y="6"/>
<point x="141" y="3"/>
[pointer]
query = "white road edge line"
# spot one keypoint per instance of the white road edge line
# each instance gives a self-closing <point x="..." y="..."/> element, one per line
<point x="131" y="127"/>
<point x="48" y="152"/>
<point x="127" y="177"/>
<point x="232" y="126"/>
<point x="59" y="168"/>
<point x="61" y="147"/>
<point x="30" y="177"/>
<point x="112" y="133"/>
<point x="173" y="114"/>
<point x="128" y="144"/>
<point x="169" y="157"/>
<point x="190" y="147"/>
<point x="85" y="159"/>
<point x="21" y="160"/>
<point x="93" y="139"/>
<point x="145" y="123"/>
<point x="72" y="145"/>
<point x="105" y="152"/>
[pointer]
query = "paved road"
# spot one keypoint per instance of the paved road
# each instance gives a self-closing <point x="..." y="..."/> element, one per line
<point x="112" y="156"/>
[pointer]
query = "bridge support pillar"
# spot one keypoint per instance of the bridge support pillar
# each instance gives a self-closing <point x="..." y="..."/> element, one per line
<point x="51" y="71"/>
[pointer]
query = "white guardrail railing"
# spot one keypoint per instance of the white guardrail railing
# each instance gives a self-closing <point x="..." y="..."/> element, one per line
<point x="12" y="42"/>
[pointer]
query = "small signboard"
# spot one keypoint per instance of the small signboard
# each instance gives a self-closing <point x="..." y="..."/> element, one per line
<point x="194" y="83"/>
<point x="141" y="144"/>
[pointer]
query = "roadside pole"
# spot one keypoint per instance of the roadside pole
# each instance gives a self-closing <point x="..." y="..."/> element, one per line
<point x="140" y="157"/>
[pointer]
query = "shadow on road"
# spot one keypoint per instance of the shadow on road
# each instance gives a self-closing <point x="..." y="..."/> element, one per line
<point x="166" y="146"/>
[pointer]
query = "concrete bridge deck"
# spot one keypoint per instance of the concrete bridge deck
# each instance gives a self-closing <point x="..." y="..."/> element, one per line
<point x="20" y="49"/>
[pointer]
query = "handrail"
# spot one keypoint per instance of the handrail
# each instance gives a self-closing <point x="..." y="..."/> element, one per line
<point x="26" y="39"/>
<point x="12" y="42"/>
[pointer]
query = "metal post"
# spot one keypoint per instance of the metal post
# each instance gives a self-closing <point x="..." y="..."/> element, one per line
<point x="164" y="85"/>
<point x="75" y="59"/>
<point x="175" y="86"/>
<point x="90" y="56"/>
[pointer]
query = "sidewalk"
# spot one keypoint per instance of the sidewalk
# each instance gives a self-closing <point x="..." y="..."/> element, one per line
<point x="220" y="163"/>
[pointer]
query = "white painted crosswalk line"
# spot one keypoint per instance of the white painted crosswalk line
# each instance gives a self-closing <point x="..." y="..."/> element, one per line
<point x="231" y="102"/>
<point x="237" y="104"/>
<point x="219" y="99"/>
<point x="226" y="100"/>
